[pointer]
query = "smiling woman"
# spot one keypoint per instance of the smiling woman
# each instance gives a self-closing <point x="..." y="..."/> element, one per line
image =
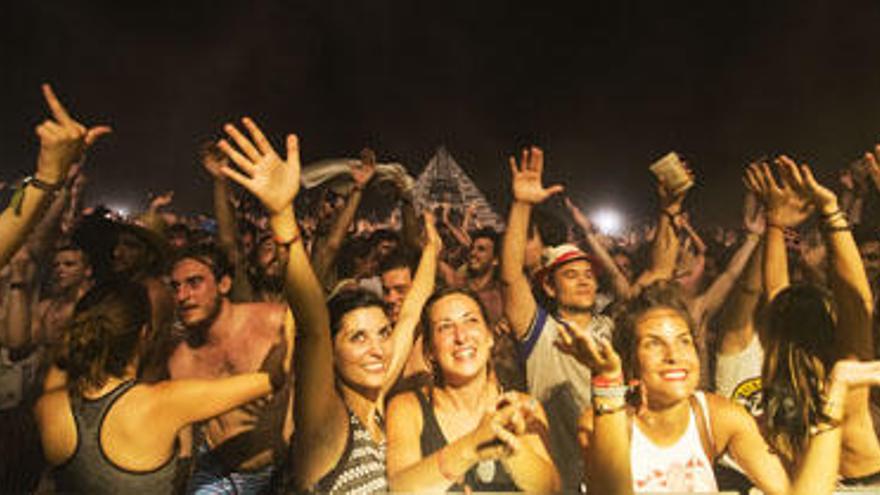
<point x="463" y="432"/>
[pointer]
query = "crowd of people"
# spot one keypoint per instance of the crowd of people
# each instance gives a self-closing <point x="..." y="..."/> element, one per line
<point x="295" y="342"/>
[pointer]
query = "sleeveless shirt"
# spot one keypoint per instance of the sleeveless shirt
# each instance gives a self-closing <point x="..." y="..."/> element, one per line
<point x="487" y="476"/>
<point x="90" y="471"/>
<point x="681" y="468"/>
<point x="361" y="469"/>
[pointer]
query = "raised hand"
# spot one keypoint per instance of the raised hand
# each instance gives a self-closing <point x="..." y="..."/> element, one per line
<point x="578" y="216"/>
<point x="63" y="140"/>
<point x="213" y="160"/>
<point x="161" y="200"/>
<point x="872" y="163"/>
<point x="784" y="206"/>
<point x="275" y="182"/>
<point x="363" y="171"/>
<point x="801" y="179"/>
<point x="596" y="354"/>
<point x="527" y="186"/>
<point x="671" y="202"/>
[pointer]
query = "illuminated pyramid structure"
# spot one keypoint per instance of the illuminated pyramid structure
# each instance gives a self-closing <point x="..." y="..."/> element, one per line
<point x="443" y="181"/>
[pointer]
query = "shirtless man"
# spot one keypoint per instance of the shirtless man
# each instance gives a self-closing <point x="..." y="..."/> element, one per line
<point x="233" y="452"/>
<point x="71" y="278"/>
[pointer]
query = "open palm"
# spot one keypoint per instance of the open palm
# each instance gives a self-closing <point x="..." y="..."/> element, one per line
<point x="275" y="182"/>
<point x="527" y="186"/>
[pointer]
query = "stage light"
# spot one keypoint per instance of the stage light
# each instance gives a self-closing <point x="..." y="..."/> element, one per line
<point x="608" y="221"/>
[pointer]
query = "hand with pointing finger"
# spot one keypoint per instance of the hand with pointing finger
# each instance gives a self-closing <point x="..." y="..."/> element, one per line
<point x="63" y="140"/>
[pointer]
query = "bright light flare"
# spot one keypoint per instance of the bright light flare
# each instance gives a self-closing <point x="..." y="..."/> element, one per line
<point x="608" y="221"/>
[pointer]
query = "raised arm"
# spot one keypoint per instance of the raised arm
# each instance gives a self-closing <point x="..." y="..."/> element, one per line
<point x="326" y="248"/>
<point x="213" y="160"/>
<point x="619" y="282"/>
<point x="411" y="308"/>
<point x="318" y="410"/>
<point x="528" y="191"/>
<point x="784" y="208"/>
<point x="664" y="249"/>
<point x="736" y="323"/>
<point x="62" y="141"/>
<point x="708" y="303"/>
<point x="849" y="283"/>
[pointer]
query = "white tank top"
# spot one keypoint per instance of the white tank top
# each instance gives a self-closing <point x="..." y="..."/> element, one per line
<point x="682" y="467"/>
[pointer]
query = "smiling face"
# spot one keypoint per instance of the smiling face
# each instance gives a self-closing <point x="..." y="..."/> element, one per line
<point x="666" y="357"/>
<point x="573" y="285"/>
<point x="461" y="342"/>
<point x="362" y="349"/>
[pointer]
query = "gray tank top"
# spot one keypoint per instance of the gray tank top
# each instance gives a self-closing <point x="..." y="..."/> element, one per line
<point x="90" y="471"/>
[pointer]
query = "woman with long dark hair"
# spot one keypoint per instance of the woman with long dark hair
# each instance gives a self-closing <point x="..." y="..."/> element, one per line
<point x="347" y="358"/>
<point x="810" y="328"/>
<point x="105" y="432"/>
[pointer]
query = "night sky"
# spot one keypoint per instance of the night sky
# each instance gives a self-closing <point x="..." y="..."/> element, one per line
<point x="606" y="87"/>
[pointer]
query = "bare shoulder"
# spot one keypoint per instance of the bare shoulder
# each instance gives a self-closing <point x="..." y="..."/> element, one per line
<point x="728" y="418"/>
<point x="404" y="411"/>
<point x="263" y="319"/>
<point x="51" y="402"/>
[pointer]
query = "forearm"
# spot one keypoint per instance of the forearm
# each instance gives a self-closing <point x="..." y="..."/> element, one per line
<point x="438" y="471"/>
<point x="15" y="226"/>
<point x="18" y="317"/>
<point x="607" y="459"/>
<point x="619" y="282"/>
<point x="664" y="249"/>
<point x="721" y="287"/>
<point x="48" y="228"/>
<point x="411" y="310"/>
<point x="196" y="400"/>
<point x="225" y="216"/>
<point x="315" y="399"/>
<point x="531" y="472"/>
<point x="851" y="290"/>
<point x="515" y="237"/>
<point x="410" y="224"/>
<point x="735" y="321"/>
<point x="327" y="247"/>
<point x="775" y="261"/>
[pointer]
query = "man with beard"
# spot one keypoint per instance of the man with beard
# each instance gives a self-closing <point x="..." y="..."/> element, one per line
<point x="71" y="278"/>
<point x="480" y="273"/>
<point x="235" y="452"/>
<point x="268" y="263"/>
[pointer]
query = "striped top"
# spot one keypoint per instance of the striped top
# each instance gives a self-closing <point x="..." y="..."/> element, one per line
<point x="361" y="469"/>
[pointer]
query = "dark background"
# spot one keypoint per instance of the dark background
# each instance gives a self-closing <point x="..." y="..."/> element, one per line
<point x="605" y="86"/>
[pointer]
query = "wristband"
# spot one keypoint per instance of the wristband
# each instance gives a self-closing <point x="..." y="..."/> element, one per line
<point x="610" y="392"/>
<point x="604" y="381"/>
<point x="603" y="409"/>
<point x="833" y="213"/>
<point x="18" y="196"/>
